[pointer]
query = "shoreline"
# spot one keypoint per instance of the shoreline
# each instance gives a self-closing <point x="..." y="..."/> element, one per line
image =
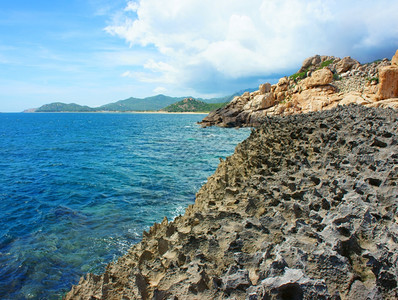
<point x="114" y="112"/>
<point x="274" y="221"/>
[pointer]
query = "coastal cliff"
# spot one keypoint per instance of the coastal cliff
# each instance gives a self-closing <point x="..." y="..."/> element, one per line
<point x="322" y="83"/>
<point x="306" y="208"/>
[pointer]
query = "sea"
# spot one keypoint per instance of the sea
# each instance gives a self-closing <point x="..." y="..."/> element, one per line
<point x="78" y="189"/>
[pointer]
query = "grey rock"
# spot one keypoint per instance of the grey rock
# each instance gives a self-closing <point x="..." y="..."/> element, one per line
<point x="306" y="208"/>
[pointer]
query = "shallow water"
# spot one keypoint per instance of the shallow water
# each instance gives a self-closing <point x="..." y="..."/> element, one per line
<point x="77" y="190"/>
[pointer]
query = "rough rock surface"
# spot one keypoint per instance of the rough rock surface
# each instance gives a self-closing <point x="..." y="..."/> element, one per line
<point x="389" y="80"/>
<point x="306" y="208"/>
<point x="322" y="83"/>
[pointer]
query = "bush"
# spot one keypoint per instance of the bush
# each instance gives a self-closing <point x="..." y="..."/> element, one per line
<point x="336" y="77"/>
<point x="326" y="63"/>
<point x="300" y="75"/>
<point x="373" y="79"/>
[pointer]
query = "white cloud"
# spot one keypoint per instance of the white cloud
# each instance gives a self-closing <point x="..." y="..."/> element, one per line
<point x="131" y="6"/>
<point x="127" y="74"/>
<point x="204" y="42"/>
<point x="160" y="90"/>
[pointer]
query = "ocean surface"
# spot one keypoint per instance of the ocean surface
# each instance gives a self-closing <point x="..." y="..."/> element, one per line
<point x="77" y="190"/>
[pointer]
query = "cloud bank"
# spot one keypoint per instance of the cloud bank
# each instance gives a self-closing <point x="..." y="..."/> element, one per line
<point x="214" y="46"/>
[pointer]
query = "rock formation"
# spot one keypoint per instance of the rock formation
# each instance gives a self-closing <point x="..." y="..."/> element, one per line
<point x="322" y="83"/>
<point x="306" y="208"/>
<point x="389" y="80"/>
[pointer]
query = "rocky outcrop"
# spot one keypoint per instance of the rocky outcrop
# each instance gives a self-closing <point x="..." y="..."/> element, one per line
<point x="319" y="78"/>
<point x="306" y="208"/>
<point x="388" y="77"/>
<point x="346" y="64"/>
<point x="322" y="83"/>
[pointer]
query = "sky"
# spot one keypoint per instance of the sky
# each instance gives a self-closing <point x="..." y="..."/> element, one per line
<point x="94" y="52"/>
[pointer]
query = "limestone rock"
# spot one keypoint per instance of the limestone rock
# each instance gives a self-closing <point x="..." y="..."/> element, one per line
<point x="319" y="77"/>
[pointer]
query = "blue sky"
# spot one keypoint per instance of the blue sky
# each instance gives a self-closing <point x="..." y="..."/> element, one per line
<point x="94" y="52"/>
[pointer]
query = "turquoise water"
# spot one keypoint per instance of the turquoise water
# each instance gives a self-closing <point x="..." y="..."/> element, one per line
<point x="77" y="190"/>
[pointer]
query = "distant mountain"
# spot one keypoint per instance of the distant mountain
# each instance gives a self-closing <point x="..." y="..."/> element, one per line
<point x="192" y="105"/>
<point x="153" y="103"/>
<point x="30" y="110"/>
<point x="136" y="104"/>
<point x="227" y="98"/>
<point x="63" y="107"/>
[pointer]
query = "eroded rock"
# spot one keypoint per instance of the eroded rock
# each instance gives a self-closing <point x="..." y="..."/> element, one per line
<point x="306" y="208"/>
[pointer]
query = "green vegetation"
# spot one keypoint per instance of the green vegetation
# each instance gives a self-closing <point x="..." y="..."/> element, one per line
<point x="63" y="107"/>
<point x="371" y="79"/>
<point x="136" y="104"/>
<point x="193" y="105"/>
<point x="153" y="103"/>
<point x="302" y="75"/>
<point x="326" y="63"/>
<point x="299" y="76"/>
<point x="336" y="77"/>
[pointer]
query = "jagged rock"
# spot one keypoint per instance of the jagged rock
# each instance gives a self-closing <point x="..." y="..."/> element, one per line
<point x="306" y="208"/>
<point x="319" y="77"/>
<point x="293" y="284"/>
<point x="236" y="279"/>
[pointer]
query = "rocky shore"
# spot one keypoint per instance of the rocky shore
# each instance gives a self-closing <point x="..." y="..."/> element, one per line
<point x="322" y="83"/>
<point x="306" y="208"/>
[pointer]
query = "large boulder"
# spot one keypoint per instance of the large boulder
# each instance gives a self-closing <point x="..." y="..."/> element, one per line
<point x="260" y="102"/>
<point x="282" y="85"/>
<point x="354" y="98"/>
<point x="388" y="77"/>
<point x="264" y="88"/>
<point x="319" y="77"/>
<point x="310" y="61"/>
<point x="346" y="64"/>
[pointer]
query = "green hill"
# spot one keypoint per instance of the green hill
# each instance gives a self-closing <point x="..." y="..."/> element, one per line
<point x="227" y="98"/>
<point x="136" y="104"/>
<point x="63" y="107"/>
<point x="192" y="105"/>
<point x="153" y="103"/>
